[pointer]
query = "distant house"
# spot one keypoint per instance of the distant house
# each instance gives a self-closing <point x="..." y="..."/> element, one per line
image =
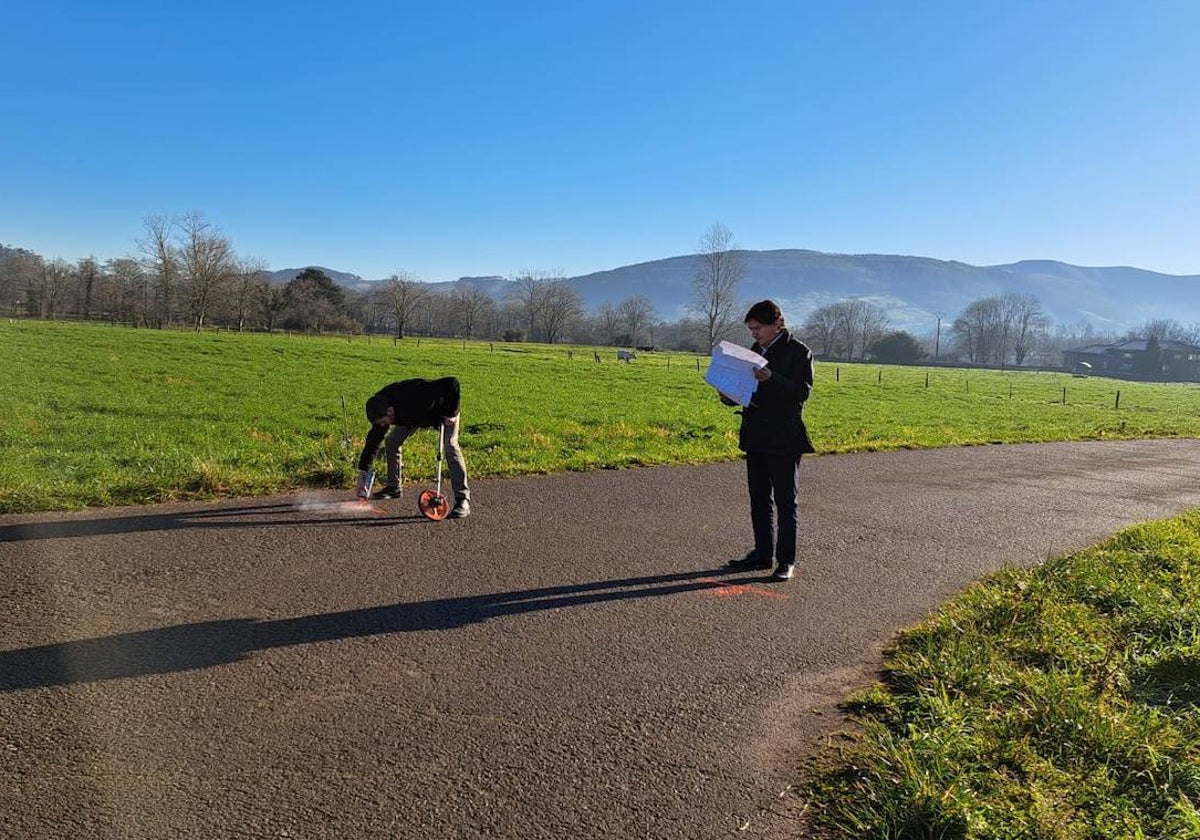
<point x="1139" y="358"/>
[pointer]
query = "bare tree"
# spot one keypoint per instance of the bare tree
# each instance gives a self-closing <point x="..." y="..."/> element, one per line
<point x="992" y="330"/>
<point x="1160" y="329"/>
<point x="87" y="275"/>
<point x="978" y="329"/>
<point x="20" y="271"/>
<point x="1025" y="320"/>
<point x="9" y="283"/>
<point x="637" y="313"/>
<point x="130" y="290"/>
<point x="846" y="329"/>
<point x="528" y="297"/>
<point x="821" y="332"/>
<point x="561" y="308"/>
<point x="53" y="287"/>
<point x="1079" y="334"/>
<point x="271" y="301"/>
<point x="608" y="322"/>
<point x="1070" y="337"/>
<point x="867" y="324"/>
<point x="371" y="309"/>
<point x="720" y="270"/>
<point x="249" y="275"/>
<point x="208" y="265"/>
<point x="469" y="307"/>
<point x="404" y="294"/>
<point x="162" y="262"/>
<point x="106" y="297"/>
<point x="437" y="315"/>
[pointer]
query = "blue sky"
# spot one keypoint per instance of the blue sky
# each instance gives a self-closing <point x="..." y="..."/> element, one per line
<point x="456" y="139"/>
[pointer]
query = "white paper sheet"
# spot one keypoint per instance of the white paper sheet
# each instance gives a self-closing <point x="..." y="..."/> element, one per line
<point x="731" y="371"/>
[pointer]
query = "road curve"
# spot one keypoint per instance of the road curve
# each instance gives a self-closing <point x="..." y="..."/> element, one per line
<point x="570" y="661"/>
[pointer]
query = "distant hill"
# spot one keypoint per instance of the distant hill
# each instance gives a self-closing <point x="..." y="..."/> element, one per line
<point x="1119" y="295"/>
<point x="342" y="278"/>
<point x="912" y="290"/>
<point x="495" y="286"/>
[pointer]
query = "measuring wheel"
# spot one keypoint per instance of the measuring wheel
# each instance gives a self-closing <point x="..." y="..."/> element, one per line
<point x="433" y="505"/>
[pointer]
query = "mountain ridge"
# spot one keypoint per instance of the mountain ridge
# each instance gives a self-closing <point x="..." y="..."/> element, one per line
<point x="913" y="290"/>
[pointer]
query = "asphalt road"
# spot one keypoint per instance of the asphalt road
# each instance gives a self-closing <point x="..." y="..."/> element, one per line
<point x="570" y="661"/>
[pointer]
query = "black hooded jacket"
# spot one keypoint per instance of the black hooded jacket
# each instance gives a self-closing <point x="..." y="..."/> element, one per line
<point x="415" y="402"/>
<point x="773" y="423"/>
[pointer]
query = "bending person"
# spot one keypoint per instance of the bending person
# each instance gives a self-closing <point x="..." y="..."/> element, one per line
<point x="406" y="406"/>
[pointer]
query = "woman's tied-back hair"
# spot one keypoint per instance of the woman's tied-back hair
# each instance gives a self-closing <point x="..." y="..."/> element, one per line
<point x="765" y="312"/>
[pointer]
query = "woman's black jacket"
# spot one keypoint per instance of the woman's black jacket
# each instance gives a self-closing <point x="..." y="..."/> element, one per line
<point x="773" y="423"/>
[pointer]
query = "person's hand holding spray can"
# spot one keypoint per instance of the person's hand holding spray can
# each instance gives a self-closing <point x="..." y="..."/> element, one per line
<point x="366" y="480"/>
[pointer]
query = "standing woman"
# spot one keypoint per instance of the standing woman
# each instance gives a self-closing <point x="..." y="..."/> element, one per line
<point x="773" y="436"/>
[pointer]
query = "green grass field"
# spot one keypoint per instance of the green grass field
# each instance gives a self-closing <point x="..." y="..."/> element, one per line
<point x="1057" y="703"/>
<point x="101" y="415"/>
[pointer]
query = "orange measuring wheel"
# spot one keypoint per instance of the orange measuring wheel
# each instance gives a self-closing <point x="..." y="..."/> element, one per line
<point x="432" y="503"/>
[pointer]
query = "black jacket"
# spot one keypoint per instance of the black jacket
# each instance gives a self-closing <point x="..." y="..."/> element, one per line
<point x="415" y="402"/>
<point x="773" y="423"/>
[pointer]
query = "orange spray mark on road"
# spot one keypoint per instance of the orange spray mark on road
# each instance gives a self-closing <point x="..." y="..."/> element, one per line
<point x="722" y="589"/>
<point x="372" y="509"/>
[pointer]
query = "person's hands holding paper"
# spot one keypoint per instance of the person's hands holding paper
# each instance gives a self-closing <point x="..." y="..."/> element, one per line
<point x="736" y="371"/>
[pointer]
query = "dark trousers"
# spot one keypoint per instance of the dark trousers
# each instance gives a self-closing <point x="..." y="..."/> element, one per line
<point x="773" y="481"/>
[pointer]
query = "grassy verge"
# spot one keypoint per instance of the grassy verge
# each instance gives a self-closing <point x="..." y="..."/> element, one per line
<point x="97" y="415"/>
<point x="1060" y="702"/>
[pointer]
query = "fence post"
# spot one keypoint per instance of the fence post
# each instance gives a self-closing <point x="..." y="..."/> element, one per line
<point x="968" y="384"/>
<point x="697" y="363"/>
<point x="837" y="374"/>
<point x="1010" y="390"/>
<point x="668" y="362"/>
<point x="1117" y="404"/>
<point x="926" y="379"/>
<point x="1064" y="395"/>
<point x="879" y="379"/>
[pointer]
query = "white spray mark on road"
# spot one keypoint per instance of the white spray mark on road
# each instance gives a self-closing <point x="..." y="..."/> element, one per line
<point x="354" y="508"/>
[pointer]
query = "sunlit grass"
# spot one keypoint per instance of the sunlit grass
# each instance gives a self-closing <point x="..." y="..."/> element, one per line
<point x="99" y="415"/>
<point x="1059" y="702"/>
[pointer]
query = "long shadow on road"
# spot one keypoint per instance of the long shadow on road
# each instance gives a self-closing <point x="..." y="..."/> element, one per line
<point x="313" y="513"/>
<point x="206" y="644"/>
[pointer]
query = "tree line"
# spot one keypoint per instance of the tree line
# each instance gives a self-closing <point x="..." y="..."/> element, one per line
<point x="1006" y="330"/>
<point x="185" y="272"/>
